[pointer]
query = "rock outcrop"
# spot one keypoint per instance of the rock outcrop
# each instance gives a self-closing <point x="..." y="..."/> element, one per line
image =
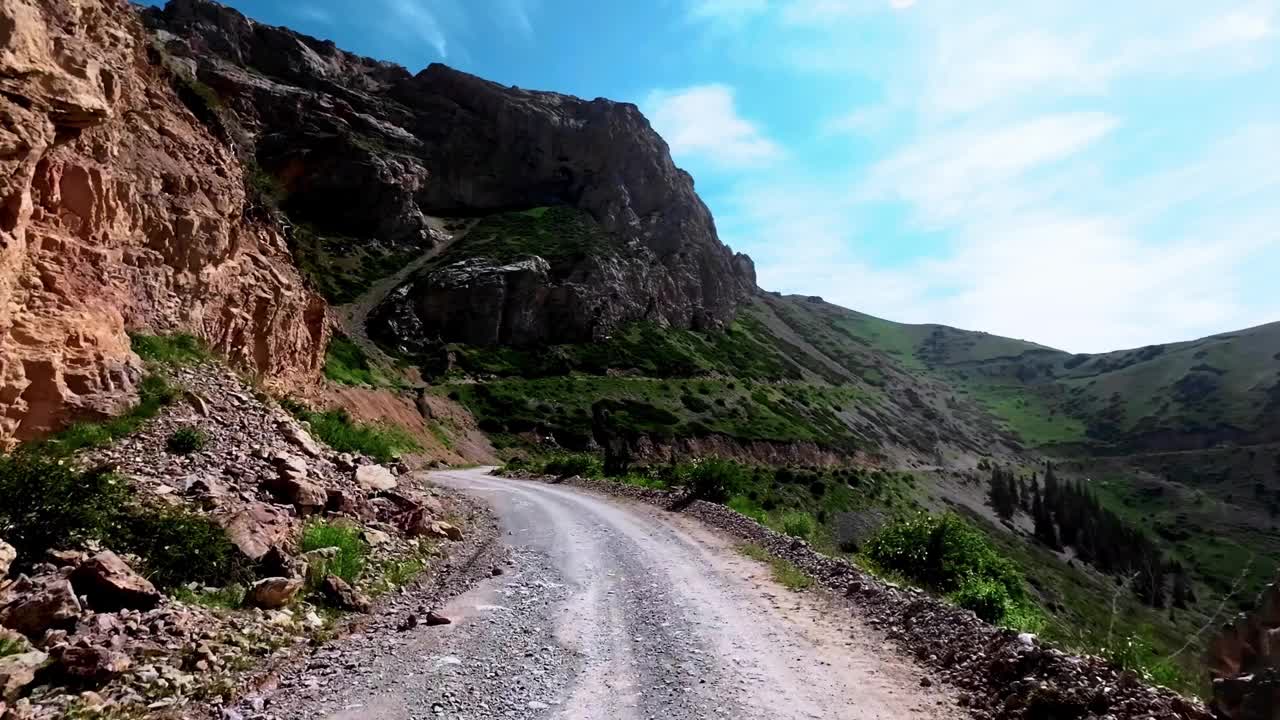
<point x="365" y="150"/>
<point x="1244" y="662"/>
<point x="120" y="210"/>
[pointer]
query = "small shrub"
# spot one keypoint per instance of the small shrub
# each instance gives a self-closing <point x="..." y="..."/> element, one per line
<point x="179" y="546"/>
<point x="349" y="562"/>
<point x="942" y="553"/>
<point x="716" y="480"/>
<point x="568" y="465"/>
<point x="987" y="599"/>
<point x="798" y="524"/>
<point x="186" y="440"/>
<point x="695" y="403"/>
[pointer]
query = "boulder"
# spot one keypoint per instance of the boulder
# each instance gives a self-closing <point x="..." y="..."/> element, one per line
<point x="299" y="438"/>
<point x="91" y="663"/>
<point x="419" y="523"/>
<point x="19" y="670"/>
<point x="350" y="503"/>
<point x="273" y="592"/>
<point x="290" y="467"/>
<point x="7" y="556"/>
<point x="376" y="538"/>
<point x="256" y="529"/>
<point x="110" y="584"/>
<point x="342" y="596"/>
<point x="375" y="478"/>
<point x="39" y="606"/>
<point x="308" y="497"/>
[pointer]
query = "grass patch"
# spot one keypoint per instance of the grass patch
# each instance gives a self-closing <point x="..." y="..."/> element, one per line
<point x="346" y="363"/>
<point x="383" y="443"/>
<point x="174" y="349"/>
<point x="186" y="440"/>
<point x="784" y="572"/>
<point x="154" y="393"/>
<point x="798" y="524"/>
<point x="349" y="562"/>
<point x="561" y="235"/>
<point x="342" y="268"/>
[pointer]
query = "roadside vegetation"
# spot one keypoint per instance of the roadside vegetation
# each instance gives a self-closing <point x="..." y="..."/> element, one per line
<point x="382" y="442"/>
<point x="50" y="505"/>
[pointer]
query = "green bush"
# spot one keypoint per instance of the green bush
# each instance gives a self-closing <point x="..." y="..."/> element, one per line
<point x="942" y="553"/>
<point x="178" y="546"/>
<point x="798" y="524"/>
<point x="716" y="480"/>
<point x="383" y="443"/>
<point x="747" y="506"/>
<point x="175" y="349"/>
<point x="568" y="465"/>
<point x="49" y="505"/>
<point x="989" y="600"/>
<point x="186" y="440"/>
<point x="348" y="564"/>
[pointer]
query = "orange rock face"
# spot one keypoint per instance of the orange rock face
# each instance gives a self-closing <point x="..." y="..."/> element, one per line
<point x="119" y="211"/>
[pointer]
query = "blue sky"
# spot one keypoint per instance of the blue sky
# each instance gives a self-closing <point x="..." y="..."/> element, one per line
<point x="1086" y="174"/>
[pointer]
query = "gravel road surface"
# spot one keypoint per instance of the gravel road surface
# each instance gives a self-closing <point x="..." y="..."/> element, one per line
<point x="612" y="610"/>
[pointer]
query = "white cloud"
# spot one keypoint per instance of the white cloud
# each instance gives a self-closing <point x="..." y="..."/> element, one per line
<point x="702" y="122"/>
<point x="413" y="17"/>
<point x="950" y="175"/>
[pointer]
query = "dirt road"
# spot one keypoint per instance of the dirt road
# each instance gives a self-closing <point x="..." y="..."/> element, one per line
<point x="613" y="610"/>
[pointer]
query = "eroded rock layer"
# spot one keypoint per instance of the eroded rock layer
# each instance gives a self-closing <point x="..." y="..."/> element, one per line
<point x="119" y="210"/>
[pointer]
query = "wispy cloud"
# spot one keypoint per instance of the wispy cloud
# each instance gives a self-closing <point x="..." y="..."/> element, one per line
<point x="702" y="122"/>
<point x="516" y="14"/>
<point x="312" y="13"/>
<point x="415" y="18"/>
<point x="1024" y="174"/>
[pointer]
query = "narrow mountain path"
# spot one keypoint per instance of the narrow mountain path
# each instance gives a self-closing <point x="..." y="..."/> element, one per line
<point x="616" y="610"/>
<point x="354" y="316"/>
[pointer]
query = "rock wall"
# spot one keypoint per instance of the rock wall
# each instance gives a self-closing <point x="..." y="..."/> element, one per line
<point x="1244" y="662"/>
<point x="365" y="150"/>
<point x="120" y="211"/>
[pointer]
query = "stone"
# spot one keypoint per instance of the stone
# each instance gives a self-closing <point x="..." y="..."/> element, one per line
<point x="344" y="597"/>
<point x="375" y="478"/>
<point x="433" y="618"/>
<point x="256" y="528"/>
<point x="7" y="556"/>
<point x="273" y="593"/>
<point x="375" y="538"/>
<point x="110" y="584"/>
<point x="308" y="497"/>
<point x="92" y="663"/>
<point x="442" y="529"/>
<point x="18" y="670"/>
<point x="197" y="402"/>
<point x="299" y="438"/>
<point x="348" y="502"/>
<point x="49" y="603"/>
<point x="290" y="467"/>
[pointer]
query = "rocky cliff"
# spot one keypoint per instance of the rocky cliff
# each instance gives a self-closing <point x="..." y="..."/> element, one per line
<point x="363" y="154"/>
<point x="120" y="210"/>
